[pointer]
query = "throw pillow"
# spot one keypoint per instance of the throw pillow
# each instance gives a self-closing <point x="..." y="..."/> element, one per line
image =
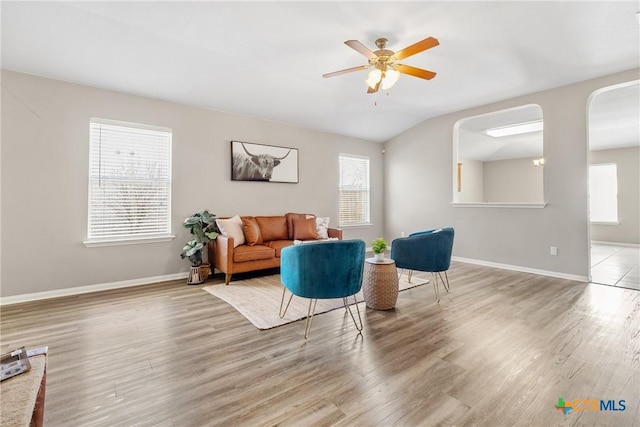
<point x="272" y="227"/>
<point x="251" y="230"/>
<point x="290" y="217"/>
<point x="232" y="227"/>
<point x="322" y="226"/>
<point x="304" y="229"/>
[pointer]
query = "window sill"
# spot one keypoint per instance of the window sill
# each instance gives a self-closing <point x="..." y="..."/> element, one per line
<point x="355" y="226"/>
<point x="499" y="205"/>
<point x="96" y="243"/>
<point x="605" y="222"/>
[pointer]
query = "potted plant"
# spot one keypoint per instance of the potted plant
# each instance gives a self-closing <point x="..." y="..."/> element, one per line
<point x="202" y="225"/>
<point x="378" y="246"/>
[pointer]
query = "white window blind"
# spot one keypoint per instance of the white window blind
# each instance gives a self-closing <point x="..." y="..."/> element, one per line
<point x="354" y="190"/>
<point x="129" y="181"/>
<point x="603" y="193"/>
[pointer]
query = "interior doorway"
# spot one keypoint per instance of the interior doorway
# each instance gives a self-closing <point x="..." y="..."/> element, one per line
<point x="614" y="185"/>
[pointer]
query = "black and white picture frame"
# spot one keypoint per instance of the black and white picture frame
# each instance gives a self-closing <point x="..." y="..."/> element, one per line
<point x="259" y="162"/>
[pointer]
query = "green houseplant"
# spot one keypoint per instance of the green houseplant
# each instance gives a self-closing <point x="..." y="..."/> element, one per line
<point x="378" y="246"/>
<point x="202" y="225"/>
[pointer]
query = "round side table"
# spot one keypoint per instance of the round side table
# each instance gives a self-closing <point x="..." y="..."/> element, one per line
<point x="380" y="284"/>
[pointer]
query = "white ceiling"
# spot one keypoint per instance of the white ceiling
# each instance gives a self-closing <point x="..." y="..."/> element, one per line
<point x="266" y="59"/>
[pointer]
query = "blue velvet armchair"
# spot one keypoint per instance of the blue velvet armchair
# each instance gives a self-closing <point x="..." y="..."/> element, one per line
<point x="322" y="270"/>
<point x="428" y="251"/>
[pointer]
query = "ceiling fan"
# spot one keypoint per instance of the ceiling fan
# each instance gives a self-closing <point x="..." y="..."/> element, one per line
<point x="385" y="71"/>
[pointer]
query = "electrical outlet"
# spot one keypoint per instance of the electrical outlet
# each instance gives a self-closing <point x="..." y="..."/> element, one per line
<point x="553" y="250"/>
<point x="402" y="234"/>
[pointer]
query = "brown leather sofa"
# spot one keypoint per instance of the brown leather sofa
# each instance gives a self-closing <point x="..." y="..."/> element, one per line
<point x="265" y="237"/>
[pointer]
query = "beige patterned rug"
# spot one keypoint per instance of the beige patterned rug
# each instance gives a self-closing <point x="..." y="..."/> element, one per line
<point x="258" y="299"/>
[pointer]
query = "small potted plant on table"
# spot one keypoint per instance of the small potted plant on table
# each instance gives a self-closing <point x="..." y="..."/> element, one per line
<point x="202" y="226"/>
<point x="378" y="246"/>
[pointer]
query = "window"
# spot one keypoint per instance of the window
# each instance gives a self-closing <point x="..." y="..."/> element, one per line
<point x="129" y="183"/>
<point x="354" y="190"/>
<point x="603" y="193"/>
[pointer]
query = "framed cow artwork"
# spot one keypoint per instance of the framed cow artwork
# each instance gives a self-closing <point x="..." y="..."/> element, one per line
<point x="258" y="162"/>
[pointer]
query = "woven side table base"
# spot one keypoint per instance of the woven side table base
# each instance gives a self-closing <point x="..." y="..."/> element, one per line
<point x="380" y="284"/>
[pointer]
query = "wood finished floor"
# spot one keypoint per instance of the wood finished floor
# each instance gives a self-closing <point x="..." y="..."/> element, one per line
<point x="499" y="350"/>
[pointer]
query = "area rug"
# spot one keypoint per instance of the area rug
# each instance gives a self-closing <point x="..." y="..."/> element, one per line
<point x="258" y="299"/>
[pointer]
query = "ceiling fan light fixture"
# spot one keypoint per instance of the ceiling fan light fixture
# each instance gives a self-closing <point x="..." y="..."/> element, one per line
<point x="390" y="78"/>
<point x="374" y="78"/>
<point x="384" y="72"/>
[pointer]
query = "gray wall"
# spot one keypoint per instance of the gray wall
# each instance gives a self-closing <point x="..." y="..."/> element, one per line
<point x="45" y="129"/>
<point x="628" y="165"/>
<point x="44" y="173"/>
<point x="419" y="171"/>
<point x="513" y="180"/>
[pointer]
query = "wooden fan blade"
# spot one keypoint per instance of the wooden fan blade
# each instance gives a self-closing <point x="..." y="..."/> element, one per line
<point x="416" y="72"/>
<point x="375" y="89"/>
<point x="356" y="45"/>
<point x="425" y="44"/>
<point x="348" y="70"/>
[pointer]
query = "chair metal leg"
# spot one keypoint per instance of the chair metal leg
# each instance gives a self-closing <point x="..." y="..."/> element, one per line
<point x="445" y="283"/>
<point x="435" y="286"/>
<point x="310" y="313"/>
<point x="346" y="305"/>
<point x="410" y="274"/>
<point x="280" y="312"/>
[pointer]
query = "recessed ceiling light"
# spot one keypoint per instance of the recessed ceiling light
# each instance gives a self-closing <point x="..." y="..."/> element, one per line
<point x="515" y="129"/>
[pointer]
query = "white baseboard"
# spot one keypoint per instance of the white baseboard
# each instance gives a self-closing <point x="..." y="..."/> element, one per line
<point x="522" y="269"/>
<point x="17" y="299"/>
<point x="626" y="245"/>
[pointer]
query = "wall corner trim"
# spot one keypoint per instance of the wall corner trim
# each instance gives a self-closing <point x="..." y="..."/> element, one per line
<point x="36" y="296"/>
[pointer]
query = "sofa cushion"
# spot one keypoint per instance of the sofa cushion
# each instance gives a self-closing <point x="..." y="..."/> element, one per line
<point x="272" y="227"/>
<point x="252" y="253"/>
<point x="251" y="230"/>
<point x="304" y="229"/>
<point x="290" y="217"/>
<point x="277" y="245"/>
<point x="232" y="227"/>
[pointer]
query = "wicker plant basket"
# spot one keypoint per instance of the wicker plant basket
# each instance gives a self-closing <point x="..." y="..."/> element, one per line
<point x="205" y="269"/>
